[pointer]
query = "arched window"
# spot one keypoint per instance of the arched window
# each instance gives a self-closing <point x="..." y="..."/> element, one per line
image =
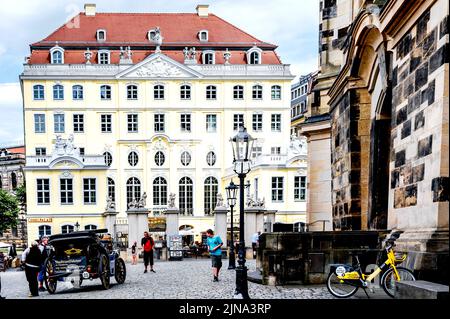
<point x="38" y="92"/>
<point x="105" y="92"/>
<point x="13" y="180"/>
<point x="185" y="92"/>
<point x="160" y="158"/>
<point x="257" y="92"/>
<point x="45" y="230"/>
<point x="209" y="57"/>
<point x="211" y="189"/>
<point x="186" y="199"/>
<point x="158" y="92"/>
<point x="133" y="189"/>
<point x="65" y="229"/>
<point x="160" y="191"/>
<point x="132" y="92"/>
<point x="90" y="227"/>
<point x="254" y="57"/>
<point x="108" y="158"/>
<point x="133" y="158"/>
<point x="203" y="35"/>
<point x="211" y="158"/>
<point x="238" y="92"/>
<point x="111" y="189"/>
<point x="58" y="92"/>
<point x="103" y="57"/>
<point x="77" y="92"/>
<point x="57" y="55"/>
<point x="211" y="92"/>
<point x="185" y="158"/>
<point x="276" y="92"/>
<point x="101" y="35"/>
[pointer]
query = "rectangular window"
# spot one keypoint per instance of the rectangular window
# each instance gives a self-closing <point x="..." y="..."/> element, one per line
<point x="39" y="123"/>
<point x="43" y="191"/>
<point x="256" y="151"/>
<point x="59" y="123"/>
<point x="66" y="190"/>
<point x="257" y="122"/>
<point x="238" y="120"/>
<point x="82" y="151"/>
<point x="276" y="122"/>
<point x="211" y="123"/>
<point x="78" y="123"/>
<point x="276" y="150"/>
<point x="159" y="122"/>
<point x="89" y="190"/>
<point x="256" y="188"/>
<point x="238" y="92"/>
<point x="38" y="92"/>
<point x="106" y="123"/>
<point x="300" y="188"/>
<point x="103" y="58"/>
<point x="132" y="123"/>
<point x="41" y="151"/>
<point x="185" y="122"/>
<point x="277" y="189"/>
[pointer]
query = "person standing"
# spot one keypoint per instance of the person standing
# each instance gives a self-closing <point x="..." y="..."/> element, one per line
<point x="32" y="258"/>
<point x="147" y="246"/>
<point x="43" y="249"/>
<point x="134" y="254"/>
<point x="255" y="240"/>
<point x="214" y="246"/>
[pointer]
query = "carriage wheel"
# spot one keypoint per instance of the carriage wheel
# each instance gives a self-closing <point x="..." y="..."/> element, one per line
<point x="104" y="271"/>
<point x="50" y="283"/>
<point x="121" y="271"/>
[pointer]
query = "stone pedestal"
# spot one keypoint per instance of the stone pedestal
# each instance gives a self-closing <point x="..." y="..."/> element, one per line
<point x="172" y="216"/>
<point x="220" y="223"/>
<point x="137" y="225"/>
<point x="254" y="222"/>
<point x="110" y="222"/>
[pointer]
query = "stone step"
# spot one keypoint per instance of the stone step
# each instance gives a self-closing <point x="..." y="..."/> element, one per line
<point x="421" y="289"/>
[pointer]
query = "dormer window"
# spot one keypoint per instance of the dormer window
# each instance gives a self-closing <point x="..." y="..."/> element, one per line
<point x="57" y="55"/>
<point x="203" y="35"/>
<point x="103" y="57"/>
<point x="254" y="55"/>
<point x="209" y="57"/>
<point x="101" y="35"/>
<point x="151" y="34"/>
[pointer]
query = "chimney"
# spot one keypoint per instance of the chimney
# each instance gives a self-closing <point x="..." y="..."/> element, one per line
<point x="202" y="10"/>
<point x="89" y="9"/>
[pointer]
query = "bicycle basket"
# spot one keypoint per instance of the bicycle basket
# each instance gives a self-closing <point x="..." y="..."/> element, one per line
<point x="400" y="257"/>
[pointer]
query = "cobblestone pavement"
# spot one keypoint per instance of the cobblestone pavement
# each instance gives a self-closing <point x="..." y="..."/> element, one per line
<point x="187" y="279"/>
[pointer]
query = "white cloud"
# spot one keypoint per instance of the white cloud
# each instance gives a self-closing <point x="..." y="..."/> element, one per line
<point x="11" y="128"/>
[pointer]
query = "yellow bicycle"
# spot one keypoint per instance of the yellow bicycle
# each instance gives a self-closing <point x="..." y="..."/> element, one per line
<point x="344" y="280"/>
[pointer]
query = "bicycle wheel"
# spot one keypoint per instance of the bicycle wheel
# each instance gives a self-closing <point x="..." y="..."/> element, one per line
<point x="389" y="279"/>
<point x="338" y="288"/>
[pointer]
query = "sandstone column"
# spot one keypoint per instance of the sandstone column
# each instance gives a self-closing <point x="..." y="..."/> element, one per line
<point x="172" y="216"/>
<point x="110" y="222"/>
<point x="220" y="223"/>
<point x="137" y="224"/>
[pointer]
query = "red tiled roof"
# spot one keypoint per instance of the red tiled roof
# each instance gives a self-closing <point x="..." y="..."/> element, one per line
<point x="16" y="150"/>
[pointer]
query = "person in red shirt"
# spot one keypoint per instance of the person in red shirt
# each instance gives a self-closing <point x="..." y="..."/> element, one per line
<point x="147" y="247"/>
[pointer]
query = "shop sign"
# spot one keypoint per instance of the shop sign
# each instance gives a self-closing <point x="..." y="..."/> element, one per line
<point x="40" y="220"/>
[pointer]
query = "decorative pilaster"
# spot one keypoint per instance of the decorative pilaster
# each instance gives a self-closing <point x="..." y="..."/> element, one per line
<point x="220" y="222"/>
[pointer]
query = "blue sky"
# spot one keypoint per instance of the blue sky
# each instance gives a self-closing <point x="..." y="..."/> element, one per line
<point x="291" y="24"/>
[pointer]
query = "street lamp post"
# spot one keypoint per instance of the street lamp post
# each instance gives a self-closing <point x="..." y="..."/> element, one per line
<point x="242" y="145"/>
<point x="231" y="197"/>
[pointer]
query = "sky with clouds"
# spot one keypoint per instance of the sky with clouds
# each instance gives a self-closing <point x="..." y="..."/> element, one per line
<point x="291" y="24"/>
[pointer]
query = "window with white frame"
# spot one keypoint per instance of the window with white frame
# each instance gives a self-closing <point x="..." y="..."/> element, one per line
<point x="159" y="123"/>
<point x="211" y="158"/>
<point x="257" y="92"/>
<point x="185" y="158"/>
<point x="58" y="92"/>
<point x="132" y="92"/>
<point x="276" y="92"/>
<point x="185" y="92"/>
<point x="185" y="122"/>
<point x="132" y="123"/>
<point x="45" y="230"/>
<point x="101" y="35"/>
<point x="82" y="151"/>
<point x="41" y="151"/>
<point x="105" y="92"/>
<point x="210" y="190"/>
<point x="275" y="150"/>
<point x="211" y="92"/>
<point x="257" y="122"/>
<point x="211" y="123"/>
<point x="39" y="123"/>
<point x="38" y="92"/>
<point x="89" y="191"/>
<point x="276" y="123"/>
<point x="66" y="191"/>
<point x="108" y="158"/>
<point x="133" y="158"/>
<point x="277" y="189"/>
<point x="133" y="189"/>
<point x="90" y="227"/>
<point x="158" y="92"/>
<point x="43" y="191"/>
<point x="186" y="198"/>
<point x="103" y="57"/>
<point x="78" y="123"/>
<point x="159" y="191"/>
<point x="208" y="57"/>
<point x="203" y="35"/>
<point x="254" y="57"/>
<point x="300" y="188"/>
<point x="77" y="92"/>
<point x="238" y="121"/>
<point x="66" y="229"/>
<point x="57" y="56"/>
<point x="106" y="123"/>
<point x="238" y="92"/>
<point x="59" y="123"/>
<point x="111" y="189"/>
<point x="160" y="158"/>
<point x="256" y="151"/>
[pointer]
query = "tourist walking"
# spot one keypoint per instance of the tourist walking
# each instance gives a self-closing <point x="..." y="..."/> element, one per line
<point x="43" y="248"/>
<point x="32" y="258"/>
<point x="147" y="246"/>
<point x="134" y="254"/>
<point x="214" y="246"/>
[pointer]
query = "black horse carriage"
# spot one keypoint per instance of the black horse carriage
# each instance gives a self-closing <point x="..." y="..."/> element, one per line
<point x="82" y="255"/>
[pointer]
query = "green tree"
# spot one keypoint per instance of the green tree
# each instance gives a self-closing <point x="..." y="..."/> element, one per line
<point x="9" y="210"/>
<point x="21" y="196"/>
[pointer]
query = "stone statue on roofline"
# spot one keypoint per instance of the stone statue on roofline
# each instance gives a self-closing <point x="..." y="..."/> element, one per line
<point x="220" y="201"/>
<point x="110" y="205"/>
<point x="171" y="203"/>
